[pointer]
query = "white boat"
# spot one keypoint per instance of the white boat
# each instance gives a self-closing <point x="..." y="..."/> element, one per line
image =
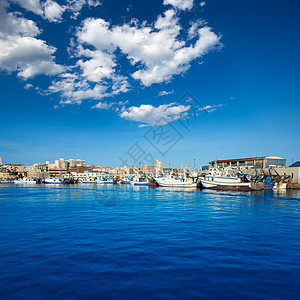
<point x="224" y="181"/>
<point x="4" y="181"/>
<point x="24" y="180"/>
<point x="281" y="182"/>
<point x="53" y="181"/>
<point x="125" y="180"/>
<point x="172" y="181"/>
<point x="87" y="180"/>
<point x="280" y="186"/>
<point x="105" y="180"/>
<point x="181" y="182"/>
<point x="143" y="181"/>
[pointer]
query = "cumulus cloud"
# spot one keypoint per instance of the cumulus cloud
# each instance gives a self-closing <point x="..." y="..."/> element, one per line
<point x="34" y="6"/>
<point x="20" y="50"/>
<point x="156" y="50"/>
<point x="53" y="11"/>
<point x="180" y="4"/>
<point x="49" y="9"/>
<point x="155" y="116"/>
<point x="99" y="66"/>
<point x="74" y="88"/>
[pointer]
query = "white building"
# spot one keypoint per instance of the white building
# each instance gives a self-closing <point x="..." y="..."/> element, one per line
<point x="65" y="164"/>
<point x="159" y="167"/>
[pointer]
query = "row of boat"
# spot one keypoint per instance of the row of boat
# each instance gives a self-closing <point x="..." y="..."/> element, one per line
<point x="215" y="179"/>
<point x="222" y="180"/>
<point x="55" y="180"/>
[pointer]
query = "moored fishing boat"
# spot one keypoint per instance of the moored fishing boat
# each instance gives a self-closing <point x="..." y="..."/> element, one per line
<point x="125" y="180"/>
<point x="224" y="181"/>
<point x="263" y="182"/>
<point x="143" y="181"/>
<point x="4" y="181"/>
<point x="25" y="180"/>
<point x="105" y="180"/>
<point x="172" y="181"/>
<point x="186" y="181"/>
<point x="87" y="180"/>
<point x="53" y="181"/>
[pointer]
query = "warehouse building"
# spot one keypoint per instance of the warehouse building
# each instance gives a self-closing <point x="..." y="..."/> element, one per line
<point x="252" y="162"/>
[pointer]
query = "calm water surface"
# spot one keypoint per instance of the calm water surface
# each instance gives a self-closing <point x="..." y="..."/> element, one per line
<point x="123" y="242"/>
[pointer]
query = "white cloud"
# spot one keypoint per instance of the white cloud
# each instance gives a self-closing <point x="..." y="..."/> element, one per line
<point x="149" y="115"/>
<point x="50" y="9"/>
<point x="210" y="108"/>
<point x="116" y="106"/>
<point x="14" y="24"/>
<point x="74" y="88"/>
<point x="202" y="3"/>
<point x="164" y="93"/>
<point x="93" y="3"/>
<point x="34" y="6"/>
<point x="20" y="50"/>
<point x="103" y="105"/>
<point x="53" y="11"/>
<point x="180" y="4"/>
<point x="180" y="60"/>
<point x="194" y="29"/>
<point x="157" y="51"/>
<point x="100" y="66"/>
<point x="76" y="6"/>
<point x="28" y="86"/>
<point x="154" y="116"/>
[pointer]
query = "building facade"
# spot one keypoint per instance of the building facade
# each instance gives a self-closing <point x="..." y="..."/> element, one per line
<point x="252" y="162"/>
<point x="148" y="169"/>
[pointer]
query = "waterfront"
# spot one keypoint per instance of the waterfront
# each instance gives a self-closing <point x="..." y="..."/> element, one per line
<point x="88" y="241"/>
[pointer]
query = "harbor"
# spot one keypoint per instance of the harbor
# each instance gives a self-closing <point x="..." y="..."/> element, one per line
<point x="243" y="174"/>
<point x="149" y="150"/>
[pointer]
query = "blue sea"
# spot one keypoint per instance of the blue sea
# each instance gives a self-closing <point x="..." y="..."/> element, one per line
<point x="123" y="242"/>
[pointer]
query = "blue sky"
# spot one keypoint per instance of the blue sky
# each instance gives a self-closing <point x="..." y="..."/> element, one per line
<point x="90" y="79"/>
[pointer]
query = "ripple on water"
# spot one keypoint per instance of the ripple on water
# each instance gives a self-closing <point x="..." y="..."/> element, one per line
<point x="124" y="242"/>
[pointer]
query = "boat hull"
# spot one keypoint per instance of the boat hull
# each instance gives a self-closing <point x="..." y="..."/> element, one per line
<point x="52" y="182"/>
<point x="24" y="182"/>
<point x="105" y="182"/>
<point x="142" y="183"/>
<point x="126" y="181"/>
<point x="215" y="185"/>
<point x="175" y="183"/>
<point x="280" y="186"/>
<point x="187" y="185"/>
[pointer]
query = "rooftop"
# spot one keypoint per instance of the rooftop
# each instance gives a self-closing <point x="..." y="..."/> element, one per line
<point x="249" y="158"/>
<point x="295" y="164"/>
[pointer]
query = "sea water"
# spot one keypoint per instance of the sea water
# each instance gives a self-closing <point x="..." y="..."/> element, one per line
<point x="123" y="242"/>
